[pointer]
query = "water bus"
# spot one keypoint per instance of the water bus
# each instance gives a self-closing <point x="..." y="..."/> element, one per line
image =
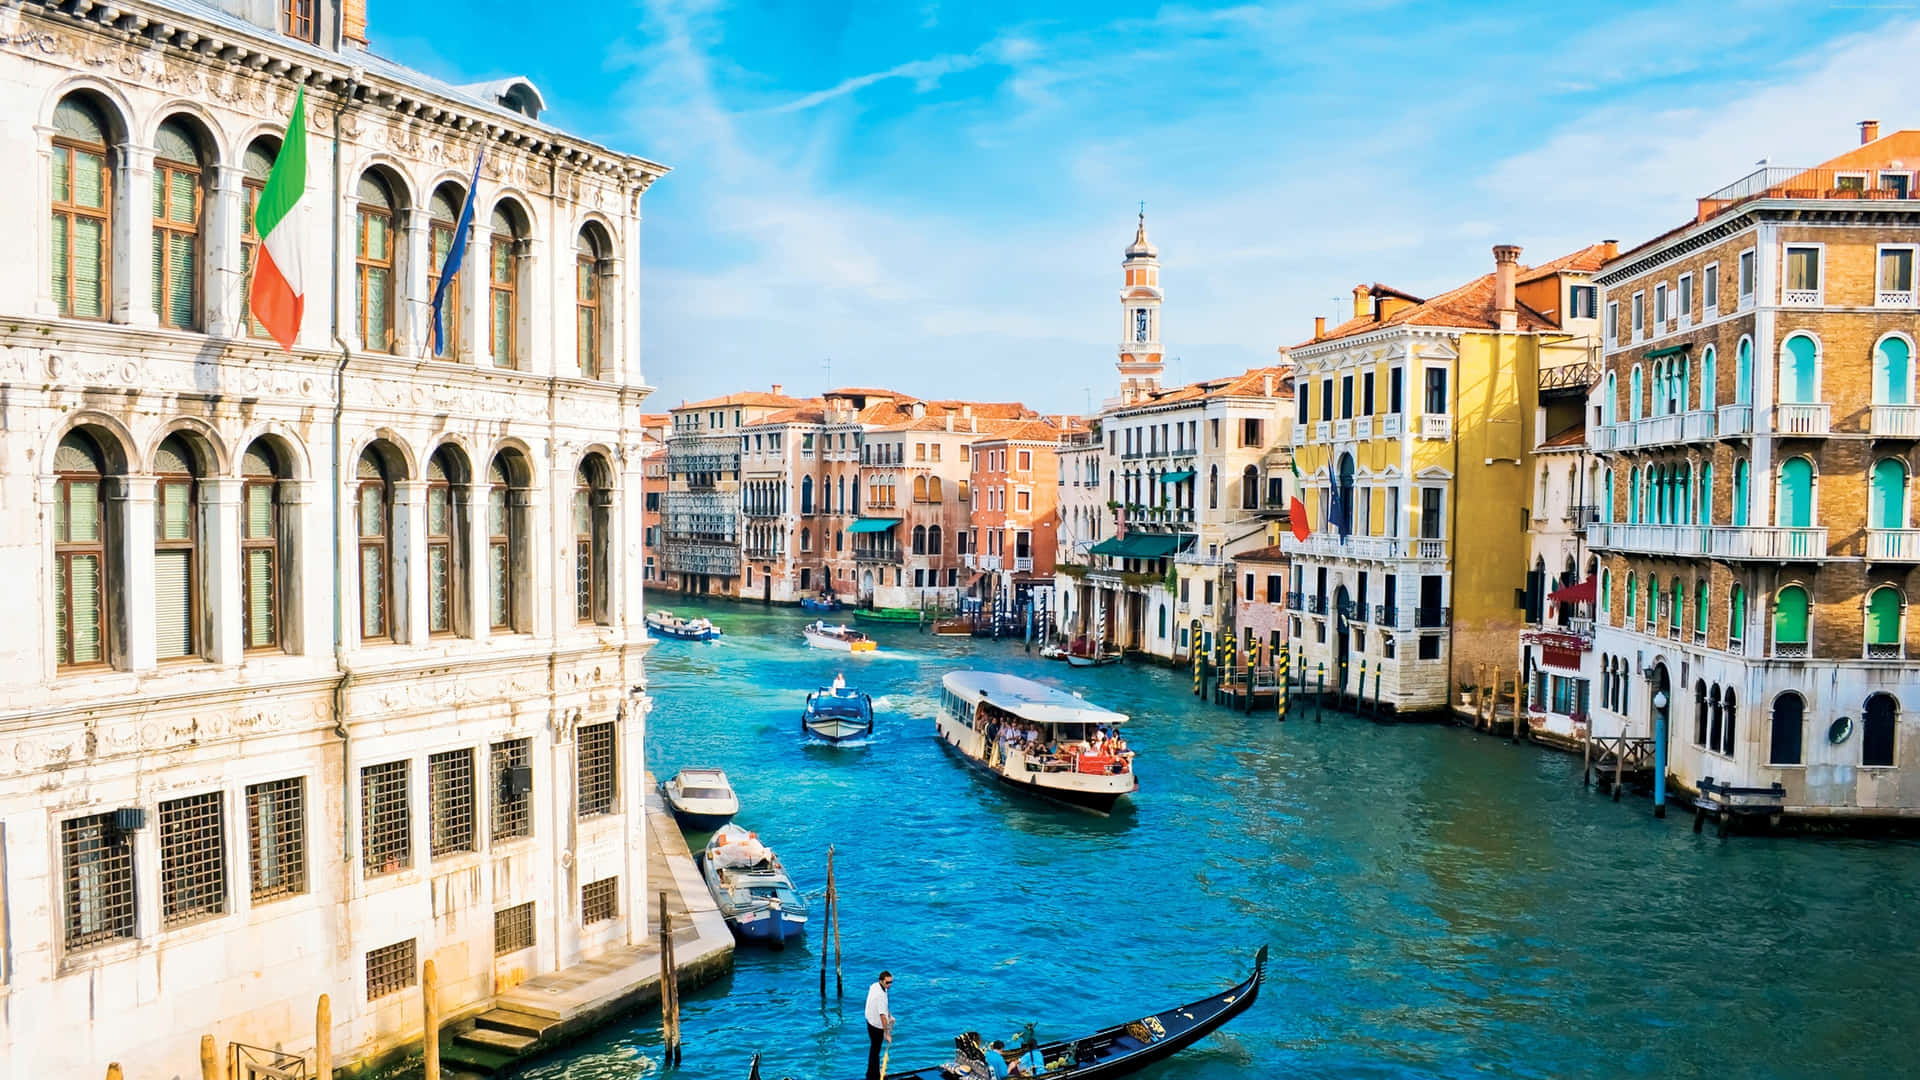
<point x="1044" y="741"/>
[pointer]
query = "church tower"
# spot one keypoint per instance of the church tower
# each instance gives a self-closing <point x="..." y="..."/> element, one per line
<point x="1140" y="354"/>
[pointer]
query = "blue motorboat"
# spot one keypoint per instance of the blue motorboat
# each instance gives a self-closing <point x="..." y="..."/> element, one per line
<point x="824" y="602"/>
<point x="663" y="623"/>
<point x="837" y="713"/>
<point x="752" y="889"/>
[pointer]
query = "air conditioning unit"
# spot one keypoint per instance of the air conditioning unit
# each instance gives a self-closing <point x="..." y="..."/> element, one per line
<point x="516" y="780"/>
<point x="127" y="820"/>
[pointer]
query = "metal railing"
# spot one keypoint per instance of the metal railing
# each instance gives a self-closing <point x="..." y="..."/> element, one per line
<point x="1316" y="605"/>
<point x="892" y="556"/>
<point x="1787" y="182"/>
<point x="1568" y="376"/>
<point x="1296" y="601"/>
<point x="1022" y="563"/>
<point x="1428" y="618"/>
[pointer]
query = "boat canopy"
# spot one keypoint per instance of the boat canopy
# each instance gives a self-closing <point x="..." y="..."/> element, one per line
<point x="872" y="525"/>
<point x="1143" y="545"/>
<point x="1029" y="700"/>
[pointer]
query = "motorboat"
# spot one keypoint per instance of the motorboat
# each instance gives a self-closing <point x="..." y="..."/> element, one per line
<point x="955" y="627"/>
<point x="1085" y="652"/>
<point x="888" y="614"/>
<point x="701" y="799"/>
<point x="1043" y="741"/>
<point x="819" y="603"/>
<point x="1052" y="651"/>
<point x="754" y="893"/>
<point x="1119" y="1050"/>
<point x="666" y="624"/>
<point x="843" y="638"/>
<point x="837" y="713"/>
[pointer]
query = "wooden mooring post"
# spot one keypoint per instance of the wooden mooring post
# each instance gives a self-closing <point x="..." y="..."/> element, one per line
<point x="323" y="1038"/>
<point x="830" y="931"/>
<point x="1519" y="714"/>
<point x="669" y="989"/>
<point x="430" y="1012"/>
<point x="1320" y="692"/>
<point x="210" y="1059"/>
<point x="113" y="1071"/>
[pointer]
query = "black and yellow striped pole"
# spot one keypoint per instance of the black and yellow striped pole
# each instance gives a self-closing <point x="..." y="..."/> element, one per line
<point x="1282" y="662"/>
<point x="1253" y="662"/>
<point x="1360" y="690"/>
<point x="1199" y="660"/>
<point x="1226" y="667"/>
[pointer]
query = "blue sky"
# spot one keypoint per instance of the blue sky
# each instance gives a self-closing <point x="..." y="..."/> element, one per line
<point x="935" y="195"/>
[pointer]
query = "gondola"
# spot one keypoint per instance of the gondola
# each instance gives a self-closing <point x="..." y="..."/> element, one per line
<point x="1114" y="1051"/>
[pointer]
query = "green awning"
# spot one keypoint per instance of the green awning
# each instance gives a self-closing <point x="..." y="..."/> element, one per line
<point x="1180" y="477"/>
<point x="1142" y="545"/>
<point x="1671" y="350"/>
<point x="872" y="525"/>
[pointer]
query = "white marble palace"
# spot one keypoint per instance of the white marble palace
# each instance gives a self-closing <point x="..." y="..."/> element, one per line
<point x="318" y="664"/>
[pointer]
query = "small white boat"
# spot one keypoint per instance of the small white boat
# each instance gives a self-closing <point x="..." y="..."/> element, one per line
<point x="843" y="638"/>
<point x="752" y="889"/>
<point x="667" y="624"/>
<point x="837" y="713"/>
<point x="701" y="799"/>
<point x="1040" y="740"/>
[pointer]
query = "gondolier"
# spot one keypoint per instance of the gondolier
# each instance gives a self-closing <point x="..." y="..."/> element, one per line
<point x="879" y="1022"/>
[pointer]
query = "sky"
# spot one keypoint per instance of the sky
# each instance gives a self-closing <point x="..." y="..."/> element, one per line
<point x="934" y="196"/>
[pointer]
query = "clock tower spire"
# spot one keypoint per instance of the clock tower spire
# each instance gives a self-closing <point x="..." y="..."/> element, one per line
<point x="1140" y="354"/>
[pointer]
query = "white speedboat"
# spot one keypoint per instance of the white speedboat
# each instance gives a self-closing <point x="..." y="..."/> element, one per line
<point x="701" y="799"/>
<point x="1043" y="741"/>
<point x="843" y="638"/>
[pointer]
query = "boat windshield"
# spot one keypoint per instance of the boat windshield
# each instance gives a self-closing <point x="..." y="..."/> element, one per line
<point x="823" y="707"/>
<point x="762" y="893"/>
<point x="703" y="793"/>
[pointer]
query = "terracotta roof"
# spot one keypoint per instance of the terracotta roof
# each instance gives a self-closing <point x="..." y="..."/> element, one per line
<point x="1587" y="260"/>
<point x="1275" y="553"/>
<point x="1573" y="436"/>
<point x="1250" y="383"/>
<point x="867" y="391"/>
<point x="1045" y="430"/>
<point x="1469" y="307"/>
<point x="750" y="397"/>
<point x="811" y="412"/>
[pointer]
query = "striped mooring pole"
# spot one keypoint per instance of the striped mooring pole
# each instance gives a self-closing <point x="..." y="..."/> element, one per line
<point x="1199" y="660"/>
<point x="1282" y="662"/>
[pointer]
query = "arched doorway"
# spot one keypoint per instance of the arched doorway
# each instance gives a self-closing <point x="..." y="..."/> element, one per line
<point x="866" y="585"/>
<point x="1341" y="639"/>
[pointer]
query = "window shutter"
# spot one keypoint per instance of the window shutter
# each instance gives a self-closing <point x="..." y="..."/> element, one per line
<point x="89" y="180"/>
<point x="497" y="578"/>
<point x="60" y="225"/>
<point x="373" y="583"/>
<point x="439" y="589"/>
<point x="172" y="590"/>
<point x="260" y="584"/>
<point x="182" y="269"/>
<point x="88" y="252"/>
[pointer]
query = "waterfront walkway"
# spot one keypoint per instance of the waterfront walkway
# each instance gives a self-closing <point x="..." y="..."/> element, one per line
<point x="552" y="1009"/>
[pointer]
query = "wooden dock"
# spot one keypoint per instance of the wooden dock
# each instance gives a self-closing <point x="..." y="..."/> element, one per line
<point x="551" y="1009"/>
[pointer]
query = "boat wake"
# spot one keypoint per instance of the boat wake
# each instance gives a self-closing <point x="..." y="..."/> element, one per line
<point x="914" y="705"/>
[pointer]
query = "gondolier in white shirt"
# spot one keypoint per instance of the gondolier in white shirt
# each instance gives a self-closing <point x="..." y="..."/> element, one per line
<point x="879" y="1022"/>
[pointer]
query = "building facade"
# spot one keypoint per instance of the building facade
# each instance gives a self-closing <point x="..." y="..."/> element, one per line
<point x="1415" y="428"/>
<point x="329" y="661"/>
<point x="701" y="543"/>
<point x="1758" y="426"/>
<point x="1014" y="522"/>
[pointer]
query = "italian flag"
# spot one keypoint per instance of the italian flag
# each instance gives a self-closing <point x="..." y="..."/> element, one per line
<point x="279" y="296"/>
<point x="1297" y="510"/>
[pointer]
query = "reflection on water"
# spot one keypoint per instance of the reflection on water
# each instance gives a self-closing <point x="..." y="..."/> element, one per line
<point x="1438" y="904"/>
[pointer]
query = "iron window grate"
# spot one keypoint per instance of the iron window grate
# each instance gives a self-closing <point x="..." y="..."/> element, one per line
<point x="513" y="929"/>
<point x="599" y="901"/>
<point x="450" y="789"/>
<point x="386" y="841"/>
<point x="596" y="769"/>
<point x="391" y="968"/>
<point x="99" y="873"/>
<point x="277" y="838"/>
<point x="193" y="859"/>
<point x="512" y="813"/>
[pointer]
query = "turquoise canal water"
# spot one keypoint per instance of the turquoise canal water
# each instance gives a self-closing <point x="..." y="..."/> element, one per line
<point x="1438" y="903"/>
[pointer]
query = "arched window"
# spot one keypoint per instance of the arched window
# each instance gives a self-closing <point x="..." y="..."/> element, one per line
<point x="1609" y="403"/>
<point x="1789" y="714"/>
<point x="1700" y="608"/>
<point x="503" y="287"/>
<point x="1887" y="503"/>
<point x="81" y="570"/>
<point x="1799" y="381"/>
<point x="1706" y="493"/>
<point x="919" y="489"/>
<point x="261" y="531"/>
<point x="1634" y="390"/>
<point x="1677" y="607"/>
<point x="1879" y="720"/>
<point x="1736" y="617"/>
<point x="1606" y="506"/>
<point x="1700" y="712"/>
<point x="966" y="492"/>
<point x="1712" y="734"/>
<point x="506" y="541"/>
<point x="934" y="493"/>
<point x="447" y="529"/>
<point x="1790" y="622"/>
<point x="81" y="202"/>
<point x="1250" y="488"/>
<point x="1740" y="474"/>
<point x="443" y="214"/>
<point x="374" y="264"/>
<point x="373" y="517"/>
<point x="591" y="259"/>
<point x="177" y="169"/>
<point x="1606" y="591"/>
<point x="1632" y="601"/>
<point x="592" y="519"/>
<point x="1163" y="620"/>
<point x="1885" y="609"/>
<point x="1708" y="375"/>
<point x="919" y="539"/>
<point x="1743" y="373"/>
<point x="176" y="554"/>
<point x="1892" y="372"/>
<point x="257" y="165"/>
<point x="1213" y="487"/>
<point x="1343" y="509"/>
<point x="1729" y="715"/>
<point x="933" y="540"/>
<point x="1796" y="493"/>
<point x="806" y="539"/>
<point x="1633" y="495"/>
<point x="806" y="494"/>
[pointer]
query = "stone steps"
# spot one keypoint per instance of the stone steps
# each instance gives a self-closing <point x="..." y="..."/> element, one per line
<point x="516" y="1023"/>
<point x="504" y="1042"/>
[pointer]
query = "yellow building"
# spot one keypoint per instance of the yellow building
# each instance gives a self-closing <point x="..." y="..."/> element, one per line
<point x="1415" y="429"/>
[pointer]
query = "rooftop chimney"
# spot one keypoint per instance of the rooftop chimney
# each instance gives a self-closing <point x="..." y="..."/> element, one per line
<point x="1319" y="327"/>
<point x="949" y="421"/>
<point x="1506" y="266"/>
<point x="1609" y="249"/>
<point x="776" y="389"/>
<point x="353" y="21"/>
<point x="1869" y="131"/>
<point x="1362" y="302"/>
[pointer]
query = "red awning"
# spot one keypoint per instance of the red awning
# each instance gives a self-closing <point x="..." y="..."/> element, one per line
<point x="1583" y="593"/>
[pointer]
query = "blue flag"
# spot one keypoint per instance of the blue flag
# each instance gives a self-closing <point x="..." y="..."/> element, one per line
<point x="455" y="253"/>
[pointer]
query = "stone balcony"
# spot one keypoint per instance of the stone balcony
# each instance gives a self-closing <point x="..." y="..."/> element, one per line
<point x="1893" y="545"/>
<point x="1803" y="420"/>
<point x="1894" y="422"/>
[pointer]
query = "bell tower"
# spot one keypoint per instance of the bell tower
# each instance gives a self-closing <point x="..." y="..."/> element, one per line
<point x="1140" y="353"/>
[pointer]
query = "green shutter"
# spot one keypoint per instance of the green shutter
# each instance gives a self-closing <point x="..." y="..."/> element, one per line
<point x="1700" y="608"/>
<point x="89" y="250"/>
<point x="83" y="524"/>
<point x="1888" y="508"/>
<point x="1796" y="370"/>
<point x="1632" y="600"/>
<point x="1883" y="617"/>
<point x="1737" y="615"/>
<point x="1890" y="375"/>
<point x="1796" y="493"/>
<point x="1790" y="616"/>
<point x="79" y="604"/>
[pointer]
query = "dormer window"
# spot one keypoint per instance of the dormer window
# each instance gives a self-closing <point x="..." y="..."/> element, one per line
<point x="297" y="21"/>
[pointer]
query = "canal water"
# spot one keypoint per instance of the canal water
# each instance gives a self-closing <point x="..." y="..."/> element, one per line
<point x="1438" y="903"/>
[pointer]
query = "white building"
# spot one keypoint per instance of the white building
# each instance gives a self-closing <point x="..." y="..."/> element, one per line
<point x="325" y="663"/>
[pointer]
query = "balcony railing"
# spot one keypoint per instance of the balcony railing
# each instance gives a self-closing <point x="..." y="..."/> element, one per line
<point x="1343" y="429"/>
<point x="1322" y="432"/>
<point x="1790" y="650"/>
<point x="1803" y="419"/>
<point x="1568" y="376"/>
<point x="1430" y="548"/>
<point x="1428" y="618"/>
<point x="1390" y="425"/>
<point x="1296" y="601"/>
<point x="1884" y="651"/>
<point x="893" y="556"/>
<point x="1022" y="564"/>
<point x="1901" y="298"/>
<point x="1649" y="539"/>
<point x="1736" y="421"/>
<point x="1608" y="437"/>
<point x="1436" y="426"/>
<point x="1363" y="427"/>
<point x="1316" y="605"/>
<point x="1656" y="430"/>
<point x="1696" y="426"/>
<point x="1583" y="516"/>
<point x="1895" y="422"/>
<point x="1769" y="542"/>
<point x="764" y="552"/>
<point x="1329" y="545"/>
<point x="1788" y="182"/>
<point x="1800" y="297"/>
<point x="1893" y="545"/>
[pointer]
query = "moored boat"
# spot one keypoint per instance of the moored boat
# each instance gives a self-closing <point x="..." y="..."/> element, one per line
<point x="843" y="638"/>
<point x="1051" y="651"/>
<point x="819" y="603"/>
<point x="701" y="799"/>
<point x="888" y="614"/>
<point x="1033" y="737"/>
<point x="1119" y="1050"/>
<point x="837" y="713"/>
<point x="667" y="624"/>
<point x="1086" y="652"/>
<point x="956" y="627"/>
<point x="754" y="893"/>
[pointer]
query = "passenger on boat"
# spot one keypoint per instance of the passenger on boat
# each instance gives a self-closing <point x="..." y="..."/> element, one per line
<point x="997" y="1059"/>
<point x="1031" y="1063"/>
